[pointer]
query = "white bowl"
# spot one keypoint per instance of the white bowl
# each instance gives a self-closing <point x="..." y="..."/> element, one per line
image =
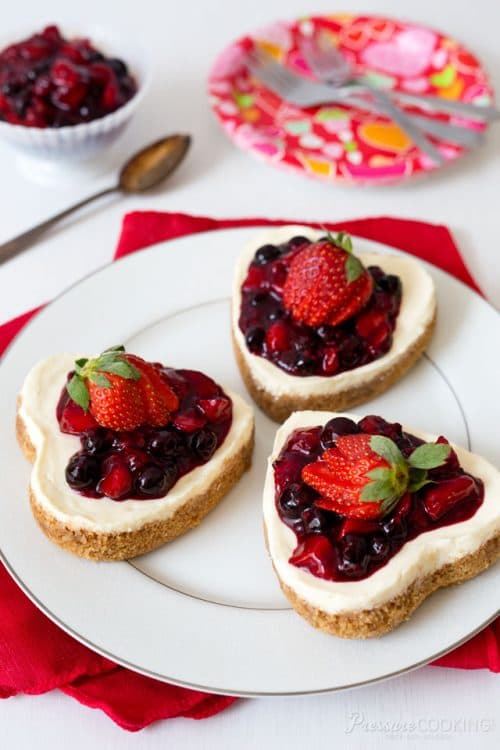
<point x="85" y="140"/>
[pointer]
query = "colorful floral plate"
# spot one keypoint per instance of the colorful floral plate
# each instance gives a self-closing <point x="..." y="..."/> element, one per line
<point x="339" y="143"/>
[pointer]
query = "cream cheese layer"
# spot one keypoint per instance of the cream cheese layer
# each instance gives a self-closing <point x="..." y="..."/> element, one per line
<point x="418" y="308"/>
<point x="39" y="397"/>
<point x="416" y="559"/>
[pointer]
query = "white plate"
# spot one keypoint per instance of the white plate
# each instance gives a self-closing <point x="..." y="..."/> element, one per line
<point x="206" y="611"/>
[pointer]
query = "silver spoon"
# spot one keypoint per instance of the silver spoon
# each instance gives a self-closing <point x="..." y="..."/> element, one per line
<point x="147" y="168"/>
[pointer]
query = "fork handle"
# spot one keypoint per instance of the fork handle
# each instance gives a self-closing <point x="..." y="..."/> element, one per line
<point x="449" y="106"/>
<point x="387" y="106"/>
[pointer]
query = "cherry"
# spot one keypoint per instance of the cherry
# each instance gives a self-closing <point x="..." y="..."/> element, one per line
<point x="117" y="480"/>
<point x="305" y="441"/>
<point x="74" y="420"/>
<point x="189" y="420"/>
<point x="316" y="554"/>
<point x="50" y="81"/>
<point x="330" y="362"/>
<point x="277" y="337"/>
<point x="215" y="409"/>
<point x="438" y="500"/>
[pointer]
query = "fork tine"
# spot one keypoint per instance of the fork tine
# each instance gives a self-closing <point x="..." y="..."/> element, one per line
<point x="273" y="75"/>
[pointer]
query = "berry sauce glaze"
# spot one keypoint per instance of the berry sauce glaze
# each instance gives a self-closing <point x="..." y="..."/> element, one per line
<point x="337" y="548"/>
<point x="146" y="463"/>
<point x="271" y="332"/>
<point x="50" y="81"/>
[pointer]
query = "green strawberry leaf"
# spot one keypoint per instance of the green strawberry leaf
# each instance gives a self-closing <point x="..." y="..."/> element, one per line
<point x="382" y="473"/>
<point x="376" y="491"/>
<point x="429" y="455"/>
<point x="120" y="367"/>
<point x="78" y="392"/>
<point x="353" y="268"/>
<point x="119" y="348"/>
<point x="100" y="380"/>
<point x="387" y="448"/>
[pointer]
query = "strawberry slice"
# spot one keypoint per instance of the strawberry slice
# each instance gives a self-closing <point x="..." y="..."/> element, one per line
<point x="365" y="476"/>
<point x="326" y="283"/>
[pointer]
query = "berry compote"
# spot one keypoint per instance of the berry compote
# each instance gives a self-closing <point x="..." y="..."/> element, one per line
<point x="271" y="332"/>
<point x="338" y="548"/>
<point x="50" y="81"/>
<point x="146" y="463"/>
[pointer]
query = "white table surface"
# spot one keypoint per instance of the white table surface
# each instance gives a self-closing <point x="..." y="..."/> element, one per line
<point x="456" y="709"/>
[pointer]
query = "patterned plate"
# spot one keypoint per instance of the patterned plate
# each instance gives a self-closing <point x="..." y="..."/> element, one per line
<point x="338" y="143"/>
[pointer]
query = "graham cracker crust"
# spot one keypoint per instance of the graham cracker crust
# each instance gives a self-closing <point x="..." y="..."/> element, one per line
<point x="370" y="623"/>
<point x="95" y="545"/>
<point x="279" y="408"/>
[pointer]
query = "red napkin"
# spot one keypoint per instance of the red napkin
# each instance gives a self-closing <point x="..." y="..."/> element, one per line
<point x="36" y="656"/>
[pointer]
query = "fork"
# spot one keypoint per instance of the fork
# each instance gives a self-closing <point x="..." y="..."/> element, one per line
<point x="331" y="67"/>
<point x="304" y="93"/>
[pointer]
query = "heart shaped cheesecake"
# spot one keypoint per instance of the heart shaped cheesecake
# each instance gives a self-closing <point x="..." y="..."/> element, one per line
<point x="364" y="519"/>
<point x="316" y="326"/>
<point x="127" y="454"/>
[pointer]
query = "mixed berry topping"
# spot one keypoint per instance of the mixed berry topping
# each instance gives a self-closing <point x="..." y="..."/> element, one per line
<point x="311" y="308"/>
<point x="50" y="81"/>
<point x="179" y="419"/>
<point x="355" y="493"/>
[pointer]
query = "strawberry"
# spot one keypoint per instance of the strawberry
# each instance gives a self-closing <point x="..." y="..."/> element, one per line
<point x="326" y="283"/>
<point x="365" y="476"/>
<point x="215" y="409"/>
<point x="277" y="337"/>
<point x="122" y="391"/>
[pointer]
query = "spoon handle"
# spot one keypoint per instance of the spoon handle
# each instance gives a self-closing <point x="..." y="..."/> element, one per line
<point x="17" y="244"/>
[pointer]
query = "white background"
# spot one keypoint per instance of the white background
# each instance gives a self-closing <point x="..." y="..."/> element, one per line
<point x="451" y="708"/>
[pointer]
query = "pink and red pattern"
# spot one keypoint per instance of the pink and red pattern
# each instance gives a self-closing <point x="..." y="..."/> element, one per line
<point x="339" y="143"/>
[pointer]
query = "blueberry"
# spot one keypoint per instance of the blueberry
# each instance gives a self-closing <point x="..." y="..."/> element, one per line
<point x="390" y="284"/>
<point x="353" y="557"/>
<point x="203" y="443"/>
<point x="396" y="530"/>
<point x="275" y="313"/>
<point x="379" y="548"/>
<point x="293" y="499"/>
<point x="258" y="298"/>
<point x="297" y="241"/>
<point x="304" y="362"/>
<point x="155" y="481"/>
<point x="166" y="443"/>
<point x="96" y="440"/>
<point x="315" y="520"/>
<point x="254" y="339"/>
<point x="335" y="428"/>
<point x="82" y="471"/>
<point x="326" y="332"/>
<point x="376" y="273"/>
<point x="266" y="254"/>
<point x="118" y="67"/>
